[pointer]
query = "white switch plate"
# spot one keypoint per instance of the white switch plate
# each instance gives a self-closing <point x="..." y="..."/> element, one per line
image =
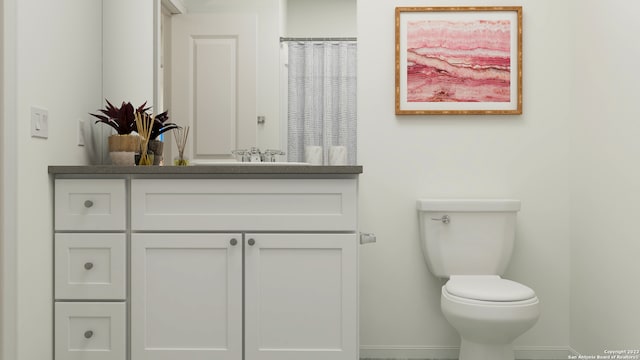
<point x="39" y="122"/>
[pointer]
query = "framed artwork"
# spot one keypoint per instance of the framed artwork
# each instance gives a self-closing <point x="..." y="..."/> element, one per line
<point x="458" y="60"/>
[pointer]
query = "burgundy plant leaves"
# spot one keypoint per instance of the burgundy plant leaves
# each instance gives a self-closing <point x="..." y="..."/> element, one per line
<point x="123" y="119"/>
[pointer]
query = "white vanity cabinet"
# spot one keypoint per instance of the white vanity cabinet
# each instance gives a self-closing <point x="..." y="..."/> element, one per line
<point x="252" y="266"/>
<point x="292" y="241"/>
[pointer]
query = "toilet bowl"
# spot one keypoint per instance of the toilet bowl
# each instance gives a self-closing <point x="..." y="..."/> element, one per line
<point x="489" y="313"/>
<point x="469" y="242"/>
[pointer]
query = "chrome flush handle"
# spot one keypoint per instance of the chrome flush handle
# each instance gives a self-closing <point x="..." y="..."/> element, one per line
<point x="445" y="219"/>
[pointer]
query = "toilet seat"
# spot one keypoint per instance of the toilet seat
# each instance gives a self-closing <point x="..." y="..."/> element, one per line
<point x="487" y="288"/>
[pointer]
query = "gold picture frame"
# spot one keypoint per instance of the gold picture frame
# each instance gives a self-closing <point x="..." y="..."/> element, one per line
<point x="459" y="60"/>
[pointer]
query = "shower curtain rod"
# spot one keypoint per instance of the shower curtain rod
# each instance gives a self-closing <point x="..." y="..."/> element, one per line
<point x="284" y="39"/>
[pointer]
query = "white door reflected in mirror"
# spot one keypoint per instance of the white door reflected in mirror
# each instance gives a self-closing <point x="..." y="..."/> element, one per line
<point x="214" y="82"/>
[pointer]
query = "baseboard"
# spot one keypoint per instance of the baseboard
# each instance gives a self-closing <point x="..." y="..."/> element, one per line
<point x="573" y="352"/>
<point x="451" y="352"/>
<point x="542" y="352"/>
<point x="408" y="352"/>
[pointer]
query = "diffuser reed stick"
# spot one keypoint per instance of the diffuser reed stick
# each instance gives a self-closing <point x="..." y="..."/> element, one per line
<point x="181" y="134"/>
<point x="144" y="124"/>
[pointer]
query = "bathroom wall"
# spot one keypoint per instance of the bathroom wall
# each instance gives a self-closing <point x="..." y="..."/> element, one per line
<point x="605" y="197"/>
<point x="59" y="63"/>
<point x="128" y="51"/>
<point x="327" y="18"/>
<point x="1" y="167"/>
<point x="409" y="157"/>
<point x="127" y="58"/>
<point x="6" y="249"/>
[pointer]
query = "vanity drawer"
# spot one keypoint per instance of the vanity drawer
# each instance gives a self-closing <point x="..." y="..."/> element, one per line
<point x="90" y="204"/>
<point x="90" y="266"/>
<point x="90" y="331"/>
<point x="243" y="204"/>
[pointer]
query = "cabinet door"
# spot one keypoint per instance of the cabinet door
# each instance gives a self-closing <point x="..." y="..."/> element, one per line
<point x="186" y="296"/>
<point x="300" y="297"/>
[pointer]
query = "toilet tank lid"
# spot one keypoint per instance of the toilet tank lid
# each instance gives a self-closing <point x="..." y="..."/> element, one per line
<point x="488" y="288"/>
<point x="468" y="205"/>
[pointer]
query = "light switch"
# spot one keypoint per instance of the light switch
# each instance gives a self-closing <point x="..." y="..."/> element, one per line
<point x="39" y="122"/>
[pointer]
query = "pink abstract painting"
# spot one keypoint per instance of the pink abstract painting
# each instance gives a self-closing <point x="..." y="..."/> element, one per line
<point x="458" y="61"/>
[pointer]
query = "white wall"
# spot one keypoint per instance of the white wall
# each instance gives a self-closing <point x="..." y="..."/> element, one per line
<point x="59" y="62"/>
<point x="2" y="261"/>
<point x="326" y="18"/>
<point x="8" y="243"/>
<point x="2" y="207"/>
<point x="128" y="51"/>
<point x="605" y="196"/>
<point x="409" y="157"/>
<point x="128" y="55"/>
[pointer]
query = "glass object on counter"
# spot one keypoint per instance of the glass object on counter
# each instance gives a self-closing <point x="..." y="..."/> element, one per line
<point x="181" y="161"/>
<point x="181" y="135"/>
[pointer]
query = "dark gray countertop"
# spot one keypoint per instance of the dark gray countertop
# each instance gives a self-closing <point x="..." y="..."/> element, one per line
<point x="209" y="170"/>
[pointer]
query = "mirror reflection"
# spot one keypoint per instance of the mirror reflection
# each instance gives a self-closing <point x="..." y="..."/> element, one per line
<point x="225" y="71"/>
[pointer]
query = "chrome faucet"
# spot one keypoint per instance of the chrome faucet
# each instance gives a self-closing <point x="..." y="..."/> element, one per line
<point x="270" y="155"/>
<point x="255" y="155"/>
<point x="243" y="154"/>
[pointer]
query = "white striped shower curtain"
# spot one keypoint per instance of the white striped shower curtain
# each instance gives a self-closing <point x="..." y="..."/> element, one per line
<point x="322" y="98"/>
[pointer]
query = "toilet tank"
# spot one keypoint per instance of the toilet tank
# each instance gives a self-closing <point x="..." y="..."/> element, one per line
<point x="467" y="236"/>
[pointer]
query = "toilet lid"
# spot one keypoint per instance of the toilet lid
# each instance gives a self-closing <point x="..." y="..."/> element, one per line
<point x="488" y="288"/>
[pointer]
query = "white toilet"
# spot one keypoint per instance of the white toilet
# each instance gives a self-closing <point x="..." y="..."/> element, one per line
<point x="470" y="242"/>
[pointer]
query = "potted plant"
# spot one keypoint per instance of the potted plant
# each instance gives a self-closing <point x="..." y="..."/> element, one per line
<point x="122" y="145"/>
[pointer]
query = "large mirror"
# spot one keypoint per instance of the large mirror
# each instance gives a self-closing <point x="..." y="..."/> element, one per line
<point x="207" y="39"/>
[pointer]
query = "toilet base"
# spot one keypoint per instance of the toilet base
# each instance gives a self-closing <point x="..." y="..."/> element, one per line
<point x="474" y="351"/>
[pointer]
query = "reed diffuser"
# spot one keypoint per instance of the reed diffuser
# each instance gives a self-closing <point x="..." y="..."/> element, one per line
<point x="181" y="134"/>
<point x="144" y="124"/>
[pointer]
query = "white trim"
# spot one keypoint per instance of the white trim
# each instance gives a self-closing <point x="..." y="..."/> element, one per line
<point x="157" y="56"/>
<point x="284" y="104"/>
<point x="541" y="352"/>
<point x="174" y="6"/>
<point x="408" y="352"/>
<point x="573" y="352"/>
<point x="451" y="352"/>
<point x="9" y="183"/>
